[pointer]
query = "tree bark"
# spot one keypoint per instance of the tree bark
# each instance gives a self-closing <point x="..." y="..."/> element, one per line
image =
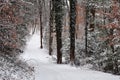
<point x="86" y="28"/>
<point x="72" y="29"/>
<point x="40" y="15"/>
<point x="51" y="27"/>
<point x="58" y="21"/>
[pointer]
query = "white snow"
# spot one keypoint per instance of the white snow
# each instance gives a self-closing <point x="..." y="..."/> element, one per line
<point x="45" y="69"/>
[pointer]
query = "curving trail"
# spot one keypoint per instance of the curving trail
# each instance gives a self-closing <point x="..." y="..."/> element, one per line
<point x="45" y="69"/>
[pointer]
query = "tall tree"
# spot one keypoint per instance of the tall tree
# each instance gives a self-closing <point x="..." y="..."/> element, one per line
<point x="40" y="15"/>
<point x="58" y="4"/>
<point x="113" y="37"/>
<point x="86" y="28"/>
<point x="72" y="29"/>
<point x="51" y="26"/>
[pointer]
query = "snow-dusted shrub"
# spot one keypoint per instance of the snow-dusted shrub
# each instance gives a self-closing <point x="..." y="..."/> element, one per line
<point x="14" y="69"/>
<point x="65" y="49"/>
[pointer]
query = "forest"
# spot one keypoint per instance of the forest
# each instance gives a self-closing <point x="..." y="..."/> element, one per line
<point x="72" y="32"/>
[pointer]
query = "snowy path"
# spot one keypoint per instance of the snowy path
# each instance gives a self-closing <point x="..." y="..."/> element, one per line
<point x="46" y="70"/>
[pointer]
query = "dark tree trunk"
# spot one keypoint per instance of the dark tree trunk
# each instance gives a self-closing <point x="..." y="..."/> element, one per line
<point x="58" y="20"/>
<point x="51" y="27"/>
<point x="40" y="15"/>
<point x="72" y="29"/>
<point x="35" y="22"/>
<point x="92" y="20"/>
<point x="112" y="46"/>
<point x="86" y="28"/>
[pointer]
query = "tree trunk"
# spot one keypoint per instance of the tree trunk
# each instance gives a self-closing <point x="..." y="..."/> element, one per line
<point x="58" y="21"/>
<point x="72" y="29"/>
<point x="40" y="15"/>
<point x="51" y="27"/>
<point x="86" y="28"/>
<point x="35" y="22"/>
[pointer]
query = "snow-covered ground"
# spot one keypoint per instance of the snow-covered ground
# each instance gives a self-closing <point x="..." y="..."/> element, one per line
<point x="45" y="69"/>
